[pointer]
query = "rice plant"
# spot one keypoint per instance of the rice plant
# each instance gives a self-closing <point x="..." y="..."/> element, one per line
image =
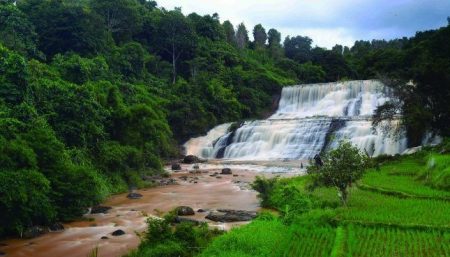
<point x="388" y="241"/>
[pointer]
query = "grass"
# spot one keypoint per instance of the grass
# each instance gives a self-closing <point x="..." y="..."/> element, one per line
<point x="437" y="172"/>
<point x="406" y="184"/>
<point x="375" y="207"/>
<point x="409" y="176"/>
<point x="261" y="238"/>
<point x="309" y="241"/>
<point x="384" y="241"/>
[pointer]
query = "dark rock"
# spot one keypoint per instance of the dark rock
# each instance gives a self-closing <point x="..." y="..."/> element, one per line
<point x="33" y="232"/>
<point x="196" y="167"/>
<point x="179" y="219"/>
<point x="3" y="244"/>
<point x="235" y="175"/>
<point x="190" y="159"/>
<point x="184" y="211"/>
<point x="100" y="209"/>
<point x="176" y="166"/>
<point x="202" y="210"/>
<point x="56" y="227"/>
<point x="118" y="232"/>
<point x="2" y="254"/>
<point x="225" y="215"/>
<point x="226" y="171"/>
<point x="134" y="196"/>
<point x="104" y="237"/>
<point x="213" y="175"/>
<point x="218" y="177"/>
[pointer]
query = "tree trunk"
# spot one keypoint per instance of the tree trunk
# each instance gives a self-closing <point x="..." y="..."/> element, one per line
<point x="174" y="66"/>
<point x="344" y="195"/>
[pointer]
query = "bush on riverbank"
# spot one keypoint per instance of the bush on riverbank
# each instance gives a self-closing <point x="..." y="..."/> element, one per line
<point x="165" y="239"/>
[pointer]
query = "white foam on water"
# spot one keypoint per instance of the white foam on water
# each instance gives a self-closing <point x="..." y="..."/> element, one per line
<point x="310" y="119"/>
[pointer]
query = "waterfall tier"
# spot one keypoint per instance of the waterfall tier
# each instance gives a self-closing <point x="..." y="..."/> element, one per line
<point x="310" y="119"/>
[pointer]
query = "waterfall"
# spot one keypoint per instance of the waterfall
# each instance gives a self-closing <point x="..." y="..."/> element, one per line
<point x="310" y="119"/>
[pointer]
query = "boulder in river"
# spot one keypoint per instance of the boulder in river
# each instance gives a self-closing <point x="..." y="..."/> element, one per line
<point x="225" y="215"/>
<point x="104" y="237"/>
<point x="184" y="211"/>
<point x="134" y="196"/>
<point x="176" y="166"/>
<point x="226" y="171"/>
<point x="190" y="159"/>
<point x="100" y="209"/>
<point x="56" y="227"/>
<point x="118" y="232"/>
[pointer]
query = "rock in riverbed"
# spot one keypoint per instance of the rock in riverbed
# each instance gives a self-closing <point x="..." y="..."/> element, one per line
<point x="224" y="215"/>
<point x="185" y="211"/>
<point x="176" y="166"/>
<point x="226" y="171"/>
<point x="118" y="232"/>
<point x="190" y="159"/>
<point x="100" y="209"/>
<point x="134" y="196"/>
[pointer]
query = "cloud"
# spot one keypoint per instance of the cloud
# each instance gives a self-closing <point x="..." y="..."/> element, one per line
<point x="327" y="22"/>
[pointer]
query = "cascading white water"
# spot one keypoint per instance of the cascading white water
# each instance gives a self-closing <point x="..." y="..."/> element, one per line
<point x="310" y="118"/>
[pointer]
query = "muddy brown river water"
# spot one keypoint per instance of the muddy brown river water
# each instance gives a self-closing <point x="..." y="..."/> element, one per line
<point x="79" y="238"/>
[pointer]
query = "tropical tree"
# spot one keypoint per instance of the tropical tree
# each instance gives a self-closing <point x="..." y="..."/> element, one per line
<point x="274" y="38"/>
<point x="230" y="33"/>
<point x="175" y="38"/>
<point x="298" y="48"/>
<point x="242" y="36"/>
<point x="16" y="31"/>
<point x="260" y="36"/>
<point x="341" y="168"/>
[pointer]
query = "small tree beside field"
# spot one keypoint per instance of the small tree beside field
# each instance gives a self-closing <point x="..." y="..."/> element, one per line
<point x="341" y="168"/>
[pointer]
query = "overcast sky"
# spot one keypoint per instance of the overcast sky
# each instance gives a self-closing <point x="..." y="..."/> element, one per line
<point x="327" y="22"/>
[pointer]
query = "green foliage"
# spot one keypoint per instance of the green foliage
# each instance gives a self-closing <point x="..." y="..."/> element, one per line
<point x="437" y="172"/>
<point x="260" y="238"/>
<point x="265" y="188"/>
<point x="341" y="167"/>
<point x="13" y="88"/>
<point x="17" y="32"/>
<point x="184" y="239"/>
<point x="381" y="241"/>
<point x="24" y="200"/>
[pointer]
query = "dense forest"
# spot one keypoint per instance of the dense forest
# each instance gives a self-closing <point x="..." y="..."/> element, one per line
<point x="95" y="94"/>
